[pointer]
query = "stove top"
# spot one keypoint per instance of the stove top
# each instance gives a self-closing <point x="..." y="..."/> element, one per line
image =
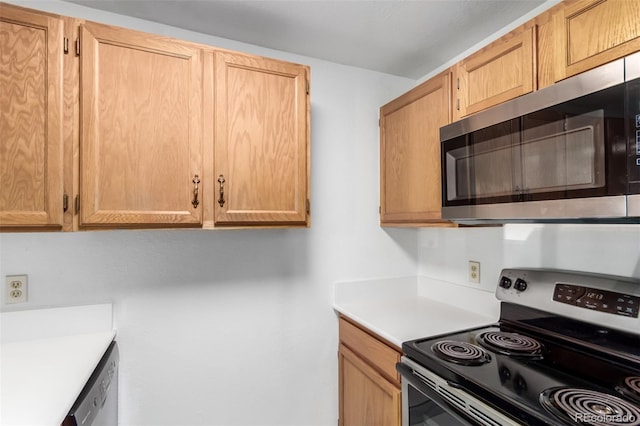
<point x="506" y="378"/>
<point x="542" y="368"/>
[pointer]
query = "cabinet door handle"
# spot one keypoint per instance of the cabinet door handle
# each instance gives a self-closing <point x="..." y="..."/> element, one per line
<point x="221" y="182"/>
<point x="195" y="201"/>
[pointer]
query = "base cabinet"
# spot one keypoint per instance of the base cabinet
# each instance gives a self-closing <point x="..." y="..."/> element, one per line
<point x="369" y="386"/>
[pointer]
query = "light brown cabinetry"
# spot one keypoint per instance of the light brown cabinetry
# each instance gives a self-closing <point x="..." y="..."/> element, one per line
<point x="590" y="33"/>
<point x="410" y="182"/>
<point x="369" y="385"/>
<point x="545" y="48"/>
<point x="118" y="130"/>
<point x="141" y="138"/>
<point x="503" y="70"/>
<point x="261" y="160"/>
<point x="31" y="125"/>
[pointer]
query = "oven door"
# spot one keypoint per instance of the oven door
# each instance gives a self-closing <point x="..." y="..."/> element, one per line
<point x="422" y="405"/>
<point x="428" y="399"/>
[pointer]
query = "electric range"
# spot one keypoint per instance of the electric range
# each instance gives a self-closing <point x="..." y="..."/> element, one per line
<point x="565" y="351"/>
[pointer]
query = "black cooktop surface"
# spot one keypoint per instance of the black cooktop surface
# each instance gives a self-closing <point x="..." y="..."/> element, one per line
<point x="541" y="376"/>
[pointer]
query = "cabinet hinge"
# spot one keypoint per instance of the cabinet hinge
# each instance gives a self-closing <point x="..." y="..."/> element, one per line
<point x="308" y="206"/>
<point x="78" y="47"/>
<point x="458" y="83"/>
<point x="65" y="45"/>
<point x="307" y="87"/>
<point x="458" y="104"/>
<point x="65" y="203"/>
<point x="77" y="204"/>
<point x="379" y="209"/>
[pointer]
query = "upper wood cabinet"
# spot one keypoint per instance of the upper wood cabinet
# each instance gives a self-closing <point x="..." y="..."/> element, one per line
<point x="503" y="70"/>
<point x="31" y="125"/>
<point x="590" y="33"/>
<point x="261" y="159"/>
<point x="410" y="182"/>
<point x="141" y="129"/>
<point x="545" y="48"/>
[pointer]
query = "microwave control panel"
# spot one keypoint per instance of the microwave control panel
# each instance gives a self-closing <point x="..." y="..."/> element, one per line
<point x="597" y="300"/>
<point x="638" y="139"/>
<point x="633" y="114"/>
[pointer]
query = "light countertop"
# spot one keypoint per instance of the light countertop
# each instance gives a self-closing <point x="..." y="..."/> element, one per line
<point x="396" y="310"/>
<point x="43" y="369"/>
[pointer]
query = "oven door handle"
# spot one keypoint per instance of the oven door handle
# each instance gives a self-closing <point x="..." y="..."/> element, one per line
<point x="407" y="374"/>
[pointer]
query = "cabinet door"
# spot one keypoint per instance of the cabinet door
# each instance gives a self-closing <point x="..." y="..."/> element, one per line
<point x="593" y="32"/>
<point x="499" y="72"/>
<point x="410" y="182"/>
<point x="261" y="160"/>
<point x="366" y="397"/>
<point x="141" y="131"/>
<point x="31" y="151"/>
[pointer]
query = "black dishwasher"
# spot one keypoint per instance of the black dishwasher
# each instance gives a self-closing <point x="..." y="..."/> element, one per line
<point x="97" y="404"/>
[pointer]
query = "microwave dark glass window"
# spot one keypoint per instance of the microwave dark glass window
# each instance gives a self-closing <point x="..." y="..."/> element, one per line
<point x="562" y="152"/>
<point x="488" y="166"/>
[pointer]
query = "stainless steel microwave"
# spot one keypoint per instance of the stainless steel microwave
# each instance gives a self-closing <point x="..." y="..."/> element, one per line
<point x="566" y="153"/>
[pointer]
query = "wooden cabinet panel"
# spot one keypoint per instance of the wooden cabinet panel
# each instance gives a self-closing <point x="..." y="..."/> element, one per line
<point x="545" y="49"/>
<point x="141" y="129"/>
<point x="499" y="72"/>
<point x="261" y="160"/>
<point x="410" y="181"/>
<point x="593" y="32"/>
<point x="371" y="349"/>
<point x="366" y="397"/>
<point x="31" y="146"/>
<point x="369" y="384"/>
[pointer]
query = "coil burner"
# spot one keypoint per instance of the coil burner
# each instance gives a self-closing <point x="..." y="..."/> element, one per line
<point x="511" y="343"/>
<point x="460" y="352"/>
<point x="630" y="388"/>
<point x="583" y="406"/>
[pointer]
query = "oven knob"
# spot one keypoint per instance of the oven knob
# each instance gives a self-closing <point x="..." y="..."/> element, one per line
<point x="505" y="374"/>
<point x="505" y="282"/>
<point x="519" y="384"/>
<point x="520" y="285"/>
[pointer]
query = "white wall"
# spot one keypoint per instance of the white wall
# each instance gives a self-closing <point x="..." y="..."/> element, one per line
<point x="607" y="249"/>
<point x="235" y="327"/>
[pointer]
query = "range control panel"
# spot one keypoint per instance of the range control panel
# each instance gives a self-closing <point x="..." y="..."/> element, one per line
<point x="597" y="300"/>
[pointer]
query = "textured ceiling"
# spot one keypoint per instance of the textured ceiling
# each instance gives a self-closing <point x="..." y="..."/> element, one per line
<point x="407" y="38"/>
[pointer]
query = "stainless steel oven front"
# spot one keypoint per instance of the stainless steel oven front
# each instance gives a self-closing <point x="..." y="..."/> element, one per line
<point x="428" y="399"/>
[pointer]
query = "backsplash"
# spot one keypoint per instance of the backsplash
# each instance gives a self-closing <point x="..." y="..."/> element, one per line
<point x="443" y="254"/>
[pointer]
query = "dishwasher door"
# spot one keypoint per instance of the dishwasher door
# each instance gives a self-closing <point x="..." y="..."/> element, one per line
<point x="97" y="404"/>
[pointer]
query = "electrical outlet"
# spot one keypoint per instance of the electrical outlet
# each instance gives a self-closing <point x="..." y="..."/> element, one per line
<point x="474" y="272"/>
<point x="16" y="289"/>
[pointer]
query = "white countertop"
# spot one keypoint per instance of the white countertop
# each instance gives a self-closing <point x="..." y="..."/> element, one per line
<point x="395" y="310"/>
<point x="43" y="369"/>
